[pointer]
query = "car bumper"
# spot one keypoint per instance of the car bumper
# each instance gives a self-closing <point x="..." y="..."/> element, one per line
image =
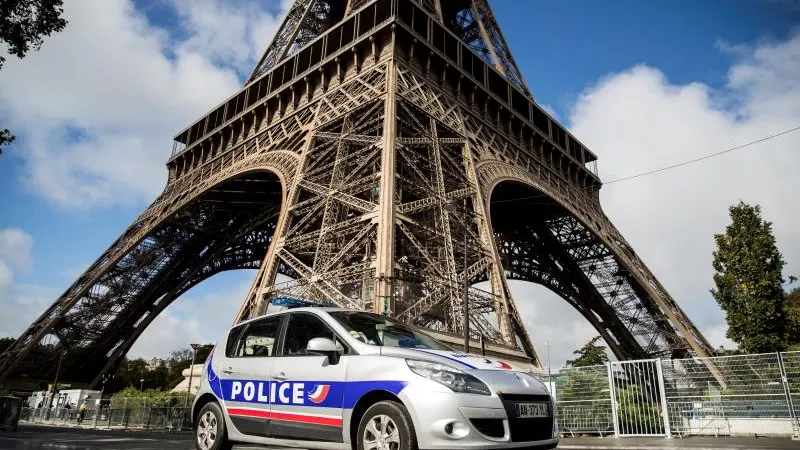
<point x="447" y="420"/>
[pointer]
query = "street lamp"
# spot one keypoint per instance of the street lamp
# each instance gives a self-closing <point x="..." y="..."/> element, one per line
<point x="191" y="372"/>
<point x="189" y="387"/>
<point x="55" y="382"/>
<point x="141" y="384"/>
<point x="99" y="402"/>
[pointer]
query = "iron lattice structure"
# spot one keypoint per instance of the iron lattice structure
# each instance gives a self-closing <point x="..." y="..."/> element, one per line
<point x="380" y="153"/>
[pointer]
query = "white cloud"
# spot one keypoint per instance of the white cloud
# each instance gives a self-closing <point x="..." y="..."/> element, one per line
<point x="192" y="319"/>
<point x="15" y="249"/>
<point x="20" y="304"/>
<point x="636" y="121"/>
<point x="230" y="32"/>
<point x="96" y="107"/>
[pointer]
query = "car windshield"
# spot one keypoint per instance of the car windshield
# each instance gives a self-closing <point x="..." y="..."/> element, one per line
<point x="375" y="329"/>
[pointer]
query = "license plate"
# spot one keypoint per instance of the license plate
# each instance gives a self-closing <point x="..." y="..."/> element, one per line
<point x="529" y="410"/>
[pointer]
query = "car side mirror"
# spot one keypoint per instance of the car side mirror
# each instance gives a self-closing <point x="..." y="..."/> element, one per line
<point x="325" y="347"/>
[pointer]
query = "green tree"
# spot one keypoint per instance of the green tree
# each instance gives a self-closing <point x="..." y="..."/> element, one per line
<point x="181" y="359"/>
<point x="590" y="354"/>
<point x="157" y="378"/>
<point x="748" y="281"/>
<point x="23" y="25"/>
<point x="791" y="310"/>
<point x="5" y="343"/>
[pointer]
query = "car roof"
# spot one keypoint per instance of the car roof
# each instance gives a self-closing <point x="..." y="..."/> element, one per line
<point x="299" y="309"/>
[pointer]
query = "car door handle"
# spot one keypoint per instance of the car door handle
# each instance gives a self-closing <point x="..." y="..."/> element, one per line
<point x="279" y="376"/>
<point x="227" y="371"/>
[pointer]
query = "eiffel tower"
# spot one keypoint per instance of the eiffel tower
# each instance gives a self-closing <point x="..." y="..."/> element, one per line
<point x="383" y="155"/>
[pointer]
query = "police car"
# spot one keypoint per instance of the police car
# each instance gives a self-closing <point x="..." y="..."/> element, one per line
<point x="320" y="377"/>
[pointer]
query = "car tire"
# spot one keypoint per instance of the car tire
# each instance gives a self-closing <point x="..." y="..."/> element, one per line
<point x="209" y="429"/>
<point x="394" y="419"/>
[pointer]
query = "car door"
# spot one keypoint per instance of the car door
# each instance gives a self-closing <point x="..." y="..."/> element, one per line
<point x="308" y="388"/>
<point x="244" y="374"/>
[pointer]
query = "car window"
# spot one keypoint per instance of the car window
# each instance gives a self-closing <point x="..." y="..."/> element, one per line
<point x="375" y="329"/>
<point x="233" y="339"/>
<point x="304" y="327"/>
<point x="258" y="339"/>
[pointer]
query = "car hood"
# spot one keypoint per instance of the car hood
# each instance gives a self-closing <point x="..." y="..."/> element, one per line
<point x="460" y="360"/>
<point x="501" y="375"/>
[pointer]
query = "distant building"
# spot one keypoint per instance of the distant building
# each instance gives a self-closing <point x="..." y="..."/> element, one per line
<point x="154" y="363"/>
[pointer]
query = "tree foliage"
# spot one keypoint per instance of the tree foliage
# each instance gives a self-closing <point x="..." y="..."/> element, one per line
<point x="5" y="138"/>
<point x="590" y="354"/>
<point x="181" y="359"/>
<point x="134" y="374"/>
<point x="23" y="26"/>
<point x="748" y="281"/>
<point x="791" y="310"/>
<point x="5" y="343"/>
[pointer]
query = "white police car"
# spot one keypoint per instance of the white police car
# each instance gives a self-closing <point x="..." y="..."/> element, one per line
<point x="335" y="378"/>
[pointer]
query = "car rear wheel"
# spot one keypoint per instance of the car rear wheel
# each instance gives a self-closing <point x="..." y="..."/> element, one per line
<point x="386" y="425"/>
<point x="209" y="429"/>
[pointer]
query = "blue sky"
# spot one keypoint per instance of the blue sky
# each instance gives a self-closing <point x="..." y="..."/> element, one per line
<point x="74" y="193"/>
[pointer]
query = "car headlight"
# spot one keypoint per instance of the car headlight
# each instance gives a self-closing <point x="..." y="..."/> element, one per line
<point x="451" y="377"/>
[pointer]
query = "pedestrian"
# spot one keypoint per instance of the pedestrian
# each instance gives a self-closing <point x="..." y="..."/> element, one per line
<point x="81" y="412"/>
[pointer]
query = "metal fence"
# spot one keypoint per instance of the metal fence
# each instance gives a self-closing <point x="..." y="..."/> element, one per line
<point x="748" y="395"/>
<point x="722" y="396"/>
<point x="123" y="413"/>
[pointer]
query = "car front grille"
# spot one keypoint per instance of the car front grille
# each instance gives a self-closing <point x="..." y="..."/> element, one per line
<point x="526" y="430"/>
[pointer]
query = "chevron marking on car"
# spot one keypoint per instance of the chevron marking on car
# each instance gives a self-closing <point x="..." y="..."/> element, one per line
<point x="318" y="394"/>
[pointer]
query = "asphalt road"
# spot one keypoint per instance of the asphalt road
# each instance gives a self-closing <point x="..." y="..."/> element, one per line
<point x="30" y="437"/>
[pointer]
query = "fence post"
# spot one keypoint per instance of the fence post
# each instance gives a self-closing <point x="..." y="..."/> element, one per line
<point x="662" y="392"/>
<point x="613" y="395"/>
<point x="788" y="393"/>
<point x="125" y="413"/>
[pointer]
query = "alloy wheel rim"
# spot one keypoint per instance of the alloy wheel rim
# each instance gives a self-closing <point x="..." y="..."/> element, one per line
<point x="381" y="433"/>
<point x="207" y="430"/>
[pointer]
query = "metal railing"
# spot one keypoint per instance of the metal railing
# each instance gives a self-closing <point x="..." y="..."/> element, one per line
<point x="125" y="413"/>
<point x="721" y="396"/>
<point x="756" y="394"/>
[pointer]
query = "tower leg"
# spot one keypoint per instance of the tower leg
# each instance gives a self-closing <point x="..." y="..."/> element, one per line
<point x="384" y="250"/>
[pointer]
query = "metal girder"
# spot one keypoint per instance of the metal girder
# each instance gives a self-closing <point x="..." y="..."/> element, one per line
<point x="305" y="20"/>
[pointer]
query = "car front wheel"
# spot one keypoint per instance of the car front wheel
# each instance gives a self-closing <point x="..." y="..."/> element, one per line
<point x="386" y="425"/>
<point x="209" y="429"/>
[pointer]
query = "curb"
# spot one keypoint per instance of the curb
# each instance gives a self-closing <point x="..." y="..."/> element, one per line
<point x="638" y="447"/>
<point x="102" y="428"/>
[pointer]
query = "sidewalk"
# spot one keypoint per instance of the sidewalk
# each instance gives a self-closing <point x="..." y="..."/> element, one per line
<point x="566" y="443"/>
<point x="689" y="443"/>
<point x="100" y="426"/>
